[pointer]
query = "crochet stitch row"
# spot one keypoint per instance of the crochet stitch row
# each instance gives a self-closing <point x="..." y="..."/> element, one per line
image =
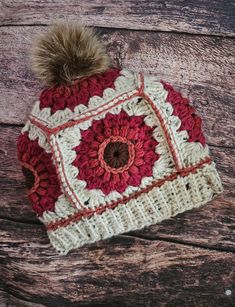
<point x="70" y="193"/>
<point x="171" y="198"/>
<point x="118" y="152"/>
<point x="89" y="212"/>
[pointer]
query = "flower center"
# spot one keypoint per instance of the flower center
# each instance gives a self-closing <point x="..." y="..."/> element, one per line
<point x="29" y="177"/>
<point x="116" y="154"/>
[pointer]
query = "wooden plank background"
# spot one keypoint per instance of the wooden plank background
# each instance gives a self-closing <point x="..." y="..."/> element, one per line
<point x="185" y="261"/>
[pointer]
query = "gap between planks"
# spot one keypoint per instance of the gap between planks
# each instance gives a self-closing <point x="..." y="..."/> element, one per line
<point x="232" y="37"/>
<point x="181" y="242"/>
<point x="140" y="237"/>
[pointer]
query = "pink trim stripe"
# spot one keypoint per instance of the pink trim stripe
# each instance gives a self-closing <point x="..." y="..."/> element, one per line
<point x="139" y="92"/>
<point x="66" y="180"/>
<point x="87" y="213"/>
<point x="169" y="138"/>
<point x="72" y="123"/>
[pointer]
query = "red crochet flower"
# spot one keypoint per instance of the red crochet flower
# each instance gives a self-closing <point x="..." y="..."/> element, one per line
<point x="116" y="152"/>
<point x="41" y="179"/>
<point x="69" y="96"/>
<point x="186" y="113"/>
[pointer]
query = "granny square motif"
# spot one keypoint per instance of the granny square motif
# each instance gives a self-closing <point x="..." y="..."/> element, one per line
<point x="113" y="152"/>
<point x="121" y="163"/>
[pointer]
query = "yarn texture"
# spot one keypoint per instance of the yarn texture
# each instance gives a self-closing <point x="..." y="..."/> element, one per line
<point x="127" y="154"/>
<point x="105" y="149"/>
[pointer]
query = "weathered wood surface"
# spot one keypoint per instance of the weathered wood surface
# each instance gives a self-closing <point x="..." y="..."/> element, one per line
<point x="202" y="17"/>
<point x="203" y="67"/>
<point x="9" y="300"/>
<point x="122" y="271"/>
<point x="185" y="261"/>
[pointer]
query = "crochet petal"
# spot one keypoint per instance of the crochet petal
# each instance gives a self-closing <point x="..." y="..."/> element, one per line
<point x="116" y="152"/>
<point x="39" y="163"/>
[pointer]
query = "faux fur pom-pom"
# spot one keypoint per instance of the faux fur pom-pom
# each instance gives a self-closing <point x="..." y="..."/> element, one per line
<point x="68" y="51"/>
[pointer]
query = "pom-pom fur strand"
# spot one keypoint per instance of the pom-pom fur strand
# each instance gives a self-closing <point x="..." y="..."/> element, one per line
<point x="68" y="52"/>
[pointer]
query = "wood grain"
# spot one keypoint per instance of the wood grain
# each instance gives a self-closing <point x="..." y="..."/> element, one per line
<point x="9" y="300"/>
<point x="189" y="227"/>
<point x="202" y="17"/>
<point x="202" y="67"/>
<point x="184" y="261"/>
<point x="137" y="272"/>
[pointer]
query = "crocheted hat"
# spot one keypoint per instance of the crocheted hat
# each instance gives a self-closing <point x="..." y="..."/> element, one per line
<point x="107" y="150"/>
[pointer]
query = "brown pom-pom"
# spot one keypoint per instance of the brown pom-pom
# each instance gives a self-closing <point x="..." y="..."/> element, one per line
<point x="68" y="52"/>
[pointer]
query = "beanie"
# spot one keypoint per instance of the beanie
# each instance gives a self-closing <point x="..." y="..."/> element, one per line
<point x="105" y="149"/>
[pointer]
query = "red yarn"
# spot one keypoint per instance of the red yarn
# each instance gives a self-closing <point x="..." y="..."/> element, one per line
<point x="69" y="96"/>
<point x="88" y="213"/>
<point x="37" y="165"/>
<point x="128" y="164"/>
<point x="186" y="113"/>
